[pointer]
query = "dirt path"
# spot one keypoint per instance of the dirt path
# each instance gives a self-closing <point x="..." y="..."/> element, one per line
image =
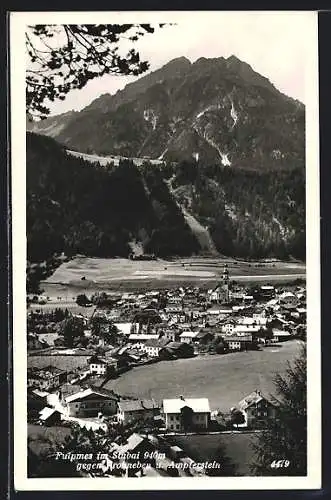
<point x="200" y="232"/>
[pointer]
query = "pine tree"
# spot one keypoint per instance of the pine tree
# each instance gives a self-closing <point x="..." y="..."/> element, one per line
<point x="65" y="57"/>
<point x="281" y="448"/>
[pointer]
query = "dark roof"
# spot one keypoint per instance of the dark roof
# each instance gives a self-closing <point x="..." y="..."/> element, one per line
<point x="103" y="392"/>
<point x="174" y="345"/>
<point x="68" y="389"/>
<point x="46" y="370"/>
<point x="203" y="333"/>
<point x="157" y="342"/>
<point x="137" y="405"/>
<point x="97" y="359"/>
<point x="253" y="398"/>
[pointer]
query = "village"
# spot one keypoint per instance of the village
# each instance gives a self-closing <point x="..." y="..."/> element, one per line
<point x="116" y="333"/>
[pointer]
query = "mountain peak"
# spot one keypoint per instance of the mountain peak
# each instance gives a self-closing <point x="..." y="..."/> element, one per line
<point x="234" y="59"/>
<point x="179" y="60"/>
<point x="233" y="62"/>
<point x="177" y="65"/>
<point x="182" y="110"/>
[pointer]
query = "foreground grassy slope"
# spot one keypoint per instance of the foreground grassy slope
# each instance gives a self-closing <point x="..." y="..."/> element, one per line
<point x="224" y="379"/>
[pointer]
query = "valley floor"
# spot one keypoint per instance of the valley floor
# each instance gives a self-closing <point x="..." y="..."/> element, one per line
<point x="89" y="274"/>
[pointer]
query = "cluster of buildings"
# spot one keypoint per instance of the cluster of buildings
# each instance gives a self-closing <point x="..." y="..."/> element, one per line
<point x="177" y="323"/>
<point x="94" y="405"/>
<point x="167" y="324"/>
<point x="147" y="327"/>
<point x="157" y="322"/>
<point x="162" y="325"/>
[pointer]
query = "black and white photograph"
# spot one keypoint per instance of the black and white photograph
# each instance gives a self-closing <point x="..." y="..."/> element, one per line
<point x="165" y="184"/>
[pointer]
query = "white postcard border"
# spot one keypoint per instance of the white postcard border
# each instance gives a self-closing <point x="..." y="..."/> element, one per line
<point x="18" y="20"/>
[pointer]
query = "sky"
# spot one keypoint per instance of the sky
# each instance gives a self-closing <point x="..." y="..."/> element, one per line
<point x="273" y="43"/>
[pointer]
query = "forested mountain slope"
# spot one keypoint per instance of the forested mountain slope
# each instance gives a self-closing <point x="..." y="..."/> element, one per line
<point x="76" y="207"/>
<point x="79" y="207"/>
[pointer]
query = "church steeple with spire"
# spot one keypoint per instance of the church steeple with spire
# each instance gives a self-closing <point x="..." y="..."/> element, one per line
<point x="221" y="292"/>
<point x="225" y="277"/>
<point x="225" y="284"/>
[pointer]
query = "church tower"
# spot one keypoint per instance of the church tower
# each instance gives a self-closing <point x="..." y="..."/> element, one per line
<point x="225" y="284"/>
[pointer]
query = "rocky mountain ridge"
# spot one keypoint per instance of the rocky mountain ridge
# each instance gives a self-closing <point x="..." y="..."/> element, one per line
<point x="213" y="110"/>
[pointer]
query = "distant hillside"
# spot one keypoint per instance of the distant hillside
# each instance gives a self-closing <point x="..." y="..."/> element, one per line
<point x="216" y="110"/>
<point x="53" y="125"/>
<point x="172" y="209"/>
<point x="248" y="213"/>
<point x="76" y="208"/>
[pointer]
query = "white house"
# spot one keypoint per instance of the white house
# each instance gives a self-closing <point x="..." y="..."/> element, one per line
<point x="198" y="409"/>
<point x="245" y="329"/>
<point x="257" y="319"/>
<point x="99" y="365"/>
<point x="280" y="335"/>
<point x="239" y="342"/>
<point x="188" y="336"/>
<point x="124" y="328"/>
<point x="90" y="402"/>
<point x="142" y="337"/>
<point x="153" y="347"/>
<point x="228" y="327"/>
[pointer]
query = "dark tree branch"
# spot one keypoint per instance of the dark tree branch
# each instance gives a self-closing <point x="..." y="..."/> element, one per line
<point x="87" y="52"/>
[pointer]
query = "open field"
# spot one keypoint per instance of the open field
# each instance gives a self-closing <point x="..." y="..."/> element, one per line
<point x="237" y="447"/>
<point x="224" y="379"/>
<point x="120" y="274"/>
<point x="105" y="160"/>
<point x="64" y="299"/>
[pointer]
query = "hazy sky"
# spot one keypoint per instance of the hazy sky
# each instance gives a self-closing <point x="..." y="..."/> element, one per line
<point x="273" y="43"/>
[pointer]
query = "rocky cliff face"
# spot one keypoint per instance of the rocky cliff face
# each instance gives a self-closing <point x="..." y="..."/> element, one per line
<point x="214" y="110"/>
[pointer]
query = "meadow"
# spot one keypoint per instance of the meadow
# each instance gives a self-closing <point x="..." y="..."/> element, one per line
<point x="224" y="379"/>
<point x="88" y="275"/>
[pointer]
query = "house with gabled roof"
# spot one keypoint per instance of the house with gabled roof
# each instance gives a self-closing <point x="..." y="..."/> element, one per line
<point x="188" y="336"/>
<point x="175" y="350"/>
<point x="99" y="365"/>
<point x="49" y="416"/>
<point x="133" y="410"/>
<point x="256" y="408"/>
<point x="133" y="454"/>
<point x="47" y="378"/>
<point x="204" y="336"/>
<point x="228" y="326"/>
<point x="240" y="342"/>
<point x="90" y="402"/>
<point x="197" y="409"/>
<point x="153" y="347"/>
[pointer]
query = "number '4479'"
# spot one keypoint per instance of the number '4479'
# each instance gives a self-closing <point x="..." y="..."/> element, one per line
<point x="276" y="464"/>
